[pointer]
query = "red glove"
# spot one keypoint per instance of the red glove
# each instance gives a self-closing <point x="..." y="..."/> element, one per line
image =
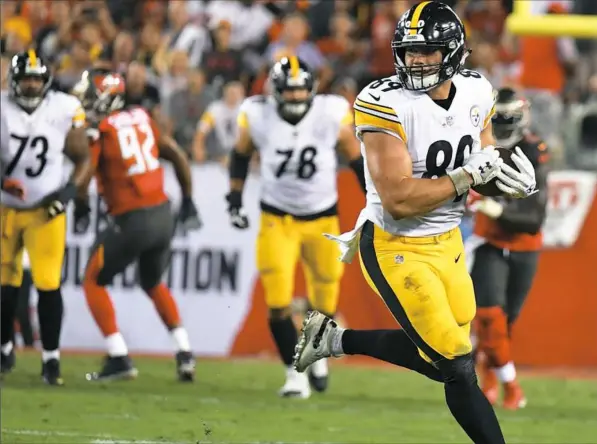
<point x="13" y="187"/>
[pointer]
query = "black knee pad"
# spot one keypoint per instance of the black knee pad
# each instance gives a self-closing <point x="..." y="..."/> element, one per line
<point x="460" y="370"/>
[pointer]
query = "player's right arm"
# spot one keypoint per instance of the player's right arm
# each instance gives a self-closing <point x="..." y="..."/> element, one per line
<point x="390" y="165"/>
<point x="240" y="159"/>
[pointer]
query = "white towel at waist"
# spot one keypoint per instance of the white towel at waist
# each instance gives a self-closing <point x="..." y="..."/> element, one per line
<point x="349" y="241"/>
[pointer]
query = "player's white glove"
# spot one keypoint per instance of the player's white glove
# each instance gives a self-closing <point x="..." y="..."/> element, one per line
<point x="483" y="165"/>
<point x="238" y="217"/>
<point x="517" y="184"/>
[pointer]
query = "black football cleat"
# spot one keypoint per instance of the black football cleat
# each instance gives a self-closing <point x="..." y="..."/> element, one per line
<point x="185" y="366"/>
<point x="50" y="372"/>
<point x="7" y="362"/>
<point x="114" y="368"/>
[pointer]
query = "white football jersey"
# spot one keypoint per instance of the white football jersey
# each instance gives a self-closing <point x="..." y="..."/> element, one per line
<point x="298" y="162"/>
<point x="34" y="152"/>
<point x="438" y="141"/>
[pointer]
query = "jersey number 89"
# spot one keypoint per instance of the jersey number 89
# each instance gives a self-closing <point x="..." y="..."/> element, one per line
<point x="439" y="157"/>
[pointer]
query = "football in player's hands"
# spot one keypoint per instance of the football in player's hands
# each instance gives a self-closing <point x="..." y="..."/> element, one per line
<point x="490" y="189"/>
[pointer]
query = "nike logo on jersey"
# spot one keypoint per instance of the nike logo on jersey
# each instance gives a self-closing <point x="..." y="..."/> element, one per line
<point x="457" y="258"/>
<point x="376" y="98"/>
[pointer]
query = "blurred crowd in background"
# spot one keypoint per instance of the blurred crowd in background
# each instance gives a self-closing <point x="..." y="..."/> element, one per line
<point x="192" y="62"/>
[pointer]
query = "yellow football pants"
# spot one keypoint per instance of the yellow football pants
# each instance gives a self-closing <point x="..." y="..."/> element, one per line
<point x="425" y="284"/>
<point x="44" y="240"/>
<point x="282" y="241"/>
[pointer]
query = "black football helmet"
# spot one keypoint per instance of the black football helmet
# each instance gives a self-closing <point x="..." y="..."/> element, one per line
<point x="427" y="27"/>
<point x="24" y="66"/>
<point x="101" y="92"/>
<point x="512" y="117"/>
<point x="291" y="73"/>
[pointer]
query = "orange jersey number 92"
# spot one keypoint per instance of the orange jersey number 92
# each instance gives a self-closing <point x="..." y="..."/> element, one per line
<point x="126" y="159"/>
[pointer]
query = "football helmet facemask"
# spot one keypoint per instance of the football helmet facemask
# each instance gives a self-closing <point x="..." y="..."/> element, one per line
<point x="101" y="92"/>
<point x="427" y="27"/>
<point x="29" y="80"/>
<point x="511" y="119"/>
<point x="292" y="74"/>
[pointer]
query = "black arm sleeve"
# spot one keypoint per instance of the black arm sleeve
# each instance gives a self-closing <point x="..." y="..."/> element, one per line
<point x="239" y="165"/>
<point x="358" y="166"/>
<point x="527" y="215"/>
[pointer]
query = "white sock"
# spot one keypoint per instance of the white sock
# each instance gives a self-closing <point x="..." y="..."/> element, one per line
<point x="116" y="345"/>
<point x="181" y="339"/>
<point x="7" y="348"/>
<point x="507" y="373"/>
<point x="336" y="342"/>
<point x="46" y="355"/>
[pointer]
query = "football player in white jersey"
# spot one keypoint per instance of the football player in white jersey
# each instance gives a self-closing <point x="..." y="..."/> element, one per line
<point x="44" y="128"/>
<point x="427" y="139"/>
<point x="296" y="133"/>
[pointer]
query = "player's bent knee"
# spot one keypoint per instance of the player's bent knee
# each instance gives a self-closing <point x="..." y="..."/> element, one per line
<point x="46" y="282"/>
<point x="460" y="370"/>
<point x="453" y="342"/>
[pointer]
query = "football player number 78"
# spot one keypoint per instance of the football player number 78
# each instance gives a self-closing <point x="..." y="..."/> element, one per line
<point x="306" y="166"/>
<point x="141" y="151"/>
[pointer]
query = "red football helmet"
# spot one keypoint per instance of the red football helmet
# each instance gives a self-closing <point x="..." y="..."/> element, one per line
<point x="101" y="92"/>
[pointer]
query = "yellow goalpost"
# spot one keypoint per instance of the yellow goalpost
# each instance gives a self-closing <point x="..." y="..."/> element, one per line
<point x="522" y="22"/>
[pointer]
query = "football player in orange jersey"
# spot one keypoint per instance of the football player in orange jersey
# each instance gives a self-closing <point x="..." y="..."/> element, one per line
<point x="505" y="264"/>
<point x="125" y="152"/>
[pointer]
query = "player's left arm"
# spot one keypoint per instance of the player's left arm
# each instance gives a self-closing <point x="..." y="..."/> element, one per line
<point x="350" y="148"/>
<point x="487" y="137"/>
<point x="171" y="151"/>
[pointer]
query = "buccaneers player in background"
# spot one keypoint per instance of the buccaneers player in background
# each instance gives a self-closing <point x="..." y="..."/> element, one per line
<point x="505" y="264"/>
<point x="125" y="153"/>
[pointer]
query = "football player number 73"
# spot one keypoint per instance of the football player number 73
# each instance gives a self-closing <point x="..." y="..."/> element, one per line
<point x="139" y="149"/>
<point x="40" y="145"/>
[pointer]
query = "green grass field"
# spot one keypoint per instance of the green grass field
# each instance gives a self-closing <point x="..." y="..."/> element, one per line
<point x="236" y="401"/>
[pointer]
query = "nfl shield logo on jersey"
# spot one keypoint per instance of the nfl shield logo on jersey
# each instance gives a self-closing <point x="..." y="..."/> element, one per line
<point x="475" y="115"/>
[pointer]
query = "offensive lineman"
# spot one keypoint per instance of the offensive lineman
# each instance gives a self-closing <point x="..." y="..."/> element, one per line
<point x="420" y="134"/>
<point x="296" y="133"/>
<point x="44" y="128"/>
<point x="125" y="156"/>
<point x="505" y="264"/>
